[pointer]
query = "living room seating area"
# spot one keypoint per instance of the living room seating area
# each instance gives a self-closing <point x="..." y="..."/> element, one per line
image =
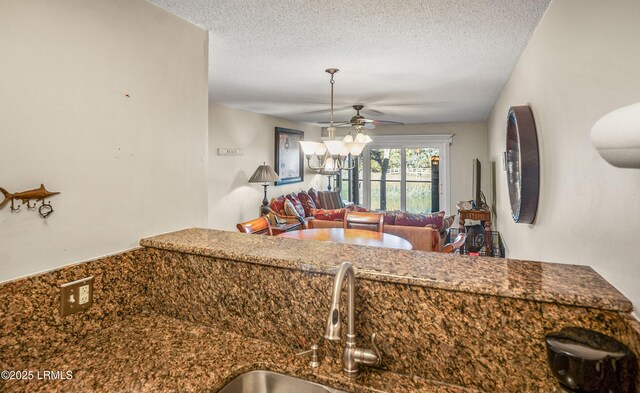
<point x="314" y="209"/>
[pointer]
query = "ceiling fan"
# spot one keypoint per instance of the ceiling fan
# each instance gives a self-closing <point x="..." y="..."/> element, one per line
<point x="360" y="121"/>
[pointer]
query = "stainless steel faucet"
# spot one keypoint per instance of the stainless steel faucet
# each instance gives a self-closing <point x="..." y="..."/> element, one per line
<point x="352" y="356"/>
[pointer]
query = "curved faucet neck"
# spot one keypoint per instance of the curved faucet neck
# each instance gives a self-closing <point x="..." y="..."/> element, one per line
<point x="333" y="322"/>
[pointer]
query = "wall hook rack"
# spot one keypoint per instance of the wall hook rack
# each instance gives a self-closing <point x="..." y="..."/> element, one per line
<point x="39" y="194"/>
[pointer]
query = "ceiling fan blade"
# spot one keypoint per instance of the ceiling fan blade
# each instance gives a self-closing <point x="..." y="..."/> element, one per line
<point x="374" y="111"/>
<point x="316" y="112"/>
<point x="336" y="123"/>
<point x="387" y="122"/>
<point x="326" y="110"/>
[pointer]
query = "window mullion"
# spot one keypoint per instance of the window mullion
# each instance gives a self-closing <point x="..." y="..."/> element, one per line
<point x="403" y="178"/>
<point x="366" y="176"/>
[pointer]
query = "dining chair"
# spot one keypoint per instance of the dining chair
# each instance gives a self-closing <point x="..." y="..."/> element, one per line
<point x="259" y="226"/>
<point x="361" y="220"/>
<point x="458" y="242"/>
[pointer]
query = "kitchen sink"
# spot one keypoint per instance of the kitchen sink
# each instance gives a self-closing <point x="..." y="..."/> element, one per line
<point x="261" y="381"/>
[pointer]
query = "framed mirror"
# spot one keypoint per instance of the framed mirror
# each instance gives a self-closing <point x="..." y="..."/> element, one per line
<point x="522" y="164"/>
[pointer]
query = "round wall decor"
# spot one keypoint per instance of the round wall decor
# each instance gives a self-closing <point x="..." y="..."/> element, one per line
<point x="522" y="164"/>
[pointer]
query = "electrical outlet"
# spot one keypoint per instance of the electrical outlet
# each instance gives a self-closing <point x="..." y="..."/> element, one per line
<point x="76" y="296"/>
<point x="84" y="294"/>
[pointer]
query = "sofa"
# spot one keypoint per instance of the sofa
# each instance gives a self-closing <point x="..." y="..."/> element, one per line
<point x="301" y="207"/>
<point x="325" y="209"/>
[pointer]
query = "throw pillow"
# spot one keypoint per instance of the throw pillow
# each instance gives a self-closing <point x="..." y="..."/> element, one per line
<point x="330" y="199"/>
<point x="307" y="203"/>
<point x="390" y="217"/>
<point x="296" y="203"/>
<point x="314" y="195"/>
<point x="446" y="224"/>
<point x="434" y="222"/>
<point x="289" y="209"/>
<point x="329" y="215"/>
<point x="448" y="221"/>
<point x="277" y="205"/>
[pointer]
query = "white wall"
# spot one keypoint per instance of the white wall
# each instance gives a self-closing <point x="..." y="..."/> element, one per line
<point x="127" y="167"/>
<point x="231" y="198"/>
<point x="582" y="62"/>
<point x="469" y="142"/>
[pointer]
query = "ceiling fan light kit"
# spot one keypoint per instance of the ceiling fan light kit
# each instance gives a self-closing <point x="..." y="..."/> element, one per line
<point x="363" y="138"/>
<point x="332" y="155"/>
<point x="360" y="138"/>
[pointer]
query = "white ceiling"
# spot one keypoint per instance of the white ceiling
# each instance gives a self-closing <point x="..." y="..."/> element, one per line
<point x="415" y="61"/>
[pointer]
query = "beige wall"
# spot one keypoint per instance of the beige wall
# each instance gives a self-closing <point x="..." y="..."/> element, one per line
<point x="469" y="142"/>
<point x="582" y="62"/>
<point x="231" y="198"/>
<point x="127" y="167"/>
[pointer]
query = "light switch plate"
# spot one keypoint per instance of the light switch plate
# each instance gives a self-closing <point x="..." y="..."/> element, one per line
<point x="228" y="151"/>
<point x="76" y="296"/>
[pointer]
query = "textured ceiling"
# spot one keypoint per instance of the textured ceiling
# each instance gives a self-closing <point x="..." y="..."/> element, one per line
<point x="416" y="61"/>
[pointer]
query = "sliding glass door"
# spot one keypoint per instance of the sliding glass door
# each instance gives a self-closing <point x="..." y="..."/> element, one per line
<point x="406" y="173"/>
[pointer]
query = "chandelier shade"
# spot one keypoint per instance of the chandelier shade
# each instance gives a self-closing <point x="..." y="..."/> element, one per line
<point x="309" y="148"/>
<point x="335" y="154"/>
<point x="356" y="149"/>
<point x="334" y="147"/>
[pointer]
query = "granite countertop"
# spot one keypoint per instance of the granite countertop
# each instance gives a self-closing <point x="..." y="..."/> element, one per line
<point x="148" y="353"/>
<point x="549" y="282"/>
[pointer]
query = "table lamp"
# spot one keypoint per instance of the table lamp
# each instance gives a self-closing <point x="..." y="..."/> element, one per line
<point x="265" y="175"/>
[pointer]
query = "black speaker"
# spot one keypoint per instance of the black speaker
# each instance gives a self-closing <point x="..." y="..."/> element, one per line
<point x="475" y="238"/>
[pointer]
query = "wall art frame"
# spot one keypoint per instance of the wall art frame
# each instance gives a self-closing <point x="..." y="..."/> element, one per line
<point x="289" y="158"/>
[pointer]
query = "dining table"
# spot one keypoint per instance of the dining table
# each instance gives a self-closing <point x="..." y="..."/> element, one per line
<point x="360" y="237"/>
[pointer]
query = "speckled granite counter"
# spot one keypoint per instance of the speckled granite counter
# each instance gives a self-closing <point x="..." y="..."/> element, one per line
<point x="556" y="283"/>
<point x="473" y="322"/>
<point x="153" y="353"/>
<point x="194" y="308"/>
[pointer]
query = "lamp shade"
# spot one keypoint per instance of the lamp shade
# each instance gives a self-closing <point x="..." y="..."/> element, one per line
<point x="264" y="174"/>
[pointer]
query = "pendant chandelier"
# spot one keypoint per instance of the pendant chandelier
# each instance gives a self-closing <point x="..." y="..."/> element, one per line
<point x="334" y="155"/>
